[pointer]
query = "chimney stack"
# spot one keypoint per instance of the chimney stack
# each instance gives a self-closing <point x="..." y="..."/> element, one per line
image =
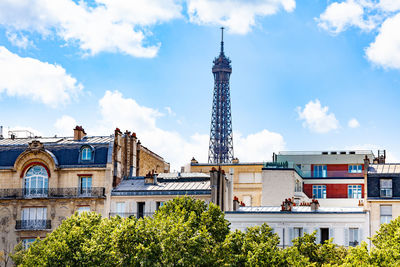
<point x="79" y="133"/>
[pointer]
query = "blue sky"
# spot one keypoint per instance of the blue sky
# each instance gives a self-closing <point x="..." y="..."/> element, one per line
<point x="302" y="70"/>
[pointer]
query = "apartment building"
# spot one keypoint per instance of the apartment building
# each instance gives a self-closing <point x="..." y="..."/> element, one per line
<point x="142" y="196"/>
<point x="347" y="226"/>
<point x="336" y="178"/>
<point x="246" y="176"/>
<point x="44" y="180"/>
<point x="383" y="192"/>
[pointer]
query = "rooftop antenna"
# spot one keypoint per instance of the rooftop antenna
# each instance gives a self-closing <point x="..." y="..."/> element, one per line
<point x="222" y="40"/>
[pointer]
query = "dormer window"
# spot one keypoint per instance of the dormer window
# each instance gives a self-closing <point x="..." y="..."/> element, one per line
<point x="86" y="153"/>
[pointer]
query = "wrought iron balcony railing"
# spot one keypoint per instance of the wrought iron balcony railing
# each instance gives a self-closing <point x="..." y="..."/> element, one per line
<point x="74" y="192"/>
<point x="33" y="225"/>
<point x="132" y="214"/>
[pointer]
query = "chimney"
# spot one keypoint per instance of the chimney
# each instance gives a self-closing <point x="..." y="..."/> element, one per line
<point x="79" y="133"/>
<point x="194" y="161"/>
<point x="314" y="205"/>
<point x="366" y="164"/>
<point x="235" y="161"/>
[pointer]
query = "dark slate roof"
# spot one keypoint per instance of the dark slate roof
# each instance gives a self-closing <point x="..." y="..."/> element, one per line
<point x="192" y="185"/>
<point x="64" y="150"/>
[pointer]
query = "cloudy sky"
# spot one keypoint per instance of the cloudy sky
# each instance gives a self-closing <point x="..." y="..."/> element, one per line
<point x="307" y="75"/>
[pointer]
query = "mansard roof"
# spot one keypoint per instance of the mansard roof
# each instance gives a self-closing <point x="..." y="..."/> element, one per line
<point x="66" y="150"/>
<point x="167" y="184"/>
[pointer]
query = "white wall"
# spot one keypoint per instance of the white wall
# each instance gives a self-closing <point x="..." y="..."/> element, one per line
<point x="283" y="224"/>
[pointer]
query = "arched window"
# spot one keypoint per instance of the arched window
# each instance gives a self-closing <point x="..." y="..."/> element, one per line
<point x="36" y="182"/>
<point x="86" y="153"/>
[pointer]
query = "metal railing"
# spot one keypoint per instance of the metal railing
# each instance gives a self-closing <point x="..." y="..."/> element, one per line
<point x="313" y="174"/>
<point x="132" y="214"/>
<point x="73" y="192"/>
<point x="33" y="225"/>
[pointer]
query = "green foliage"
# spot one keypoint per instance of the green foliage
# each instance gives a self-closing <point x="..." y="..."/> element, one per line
<point x="187" y="232"/>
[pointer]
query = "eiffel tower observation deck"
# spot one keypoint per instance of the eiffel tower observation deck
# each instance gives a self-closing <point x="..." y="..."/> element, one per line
<point x="221" y="139"/>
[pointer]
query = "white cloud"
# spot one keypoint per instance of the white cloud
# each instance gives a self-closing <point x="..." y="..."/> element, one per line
<point x="170" y="112"/>
<point x="19" y="40"/>
<point x="111" y="26"/>
<point x="65" y="125"/>
<point x="127" y="114"/>
<point x="339" y="16"/>
<point x="385" y="50"/>
<point x="238" y="16"/>
<point x="353" y="123"/>
<point x="317" y="118"/>
<point x="257" y="147"/>
<point x="382" y="16"/>
<point x="39" y="81"/>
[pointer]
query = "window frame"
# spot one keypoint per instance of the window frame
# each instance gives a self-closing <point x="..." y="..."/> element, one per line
<point x="319" y="188"/>
<point x="355" y="168"/>
<point x="385" y="217"/>
<point x="85" y="190"/>
<point x="386" y="191"/>
<point x="354" y="191"/>
<point x="354" y="236"/>
<point x="32" y="180"/>
<point x="84" y="154"/>
<point x="320" y="170"/>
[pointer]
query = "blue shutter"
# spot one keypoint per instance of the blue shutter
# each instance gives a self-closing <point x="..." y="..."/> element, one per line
<point x="346" y="237"/>
<point x="291" y="235"/>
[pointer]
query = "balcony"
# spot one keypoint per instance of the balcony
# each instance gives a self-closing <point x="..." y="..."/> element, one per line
<point x="313" y="174"/>
<point x="136" y="215"/>
<point x="74" y="192"/>
<point x="33" y="225"/>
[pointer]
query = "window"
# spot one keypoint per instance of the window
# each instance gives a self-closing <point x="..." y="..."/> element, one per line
<point x="121" y="209"/>
<point x="320" y="171"/>
<point x="34" y="218"/>
<point x="83" y="209"/>
<point x="298" y="232"/>
<point x="159" y="204"/>
<point x="324" y="235"/>
<point x="319" y="191"/>
<point x="86" y="153"/>
<point x="386" y="213"/>
<point x="36" y="182"/>
<point x="85" y="185"/>
<point x="355" y="168"/>
<point x="386" y="187"/>
<point x="298" y="186"/>
<point x="353" y="237"/>
<point x="354" y="191"/>
<point x="140" y="209"/>
<point x="27" y="242"/>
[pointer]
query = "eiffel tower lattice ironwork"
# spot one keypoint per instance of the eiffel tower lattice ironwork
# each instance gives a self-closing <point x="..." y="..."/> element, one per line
<point x="221" y="139"/>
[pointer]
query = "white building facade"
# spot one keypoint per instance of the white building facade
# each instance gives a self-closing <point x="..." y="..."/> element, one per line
<point x="347" y="226"/>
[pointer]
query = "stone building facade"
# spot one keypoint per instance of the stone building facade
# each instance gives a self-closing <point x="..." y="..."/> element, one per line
<point x="45" y="180"/>
<point x="148" y="160"/>
<point x="247" y="183"/>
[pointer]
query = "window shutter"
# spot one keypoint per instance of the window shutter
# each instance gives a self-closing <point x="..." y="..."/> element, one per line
<point x="360" y="237"/>
<point x="318" y="236"/>
<point x="346" y="237"/>
<point x="291" y="235"/>
<point x="331" y="233"/>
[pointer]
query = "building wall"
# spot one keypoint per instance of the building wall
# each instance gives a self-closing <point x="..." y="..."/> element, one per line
<point x="150" y="202"/>
<point x="278" y="185"/>
<point x="148" y="161"/>
<point x="284" y="223"/>
<point x="242" y="188"/>
<point x="58" y="208"/>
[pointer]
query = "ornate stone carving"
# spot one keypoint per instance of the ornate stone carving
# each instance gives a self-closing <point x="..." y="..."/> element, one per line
<point x="35" y="146"/>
